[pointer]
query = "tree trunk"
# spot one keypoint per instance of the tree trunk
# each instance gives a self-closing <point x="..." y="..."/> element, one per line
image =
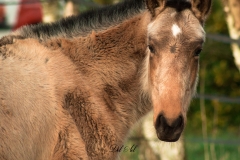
<point x="51" y="11"/>
<point x="232" y="10"/>
<point x="71" y="8"/>
<point x="54" y="10"/>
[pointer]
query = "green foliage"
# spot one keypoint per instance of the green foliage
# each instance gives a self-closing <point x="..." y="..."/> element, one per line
<point x="216" y="21"/>
<point x="104" y="1"/>
<point x="221" y="78"/>
<point x="222" y="152"/>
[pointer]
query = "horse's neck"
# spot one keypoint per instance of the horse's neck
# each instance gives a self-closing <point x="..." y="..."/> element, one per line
<point x="111" y="61"/>
<point x="114" y="60"/>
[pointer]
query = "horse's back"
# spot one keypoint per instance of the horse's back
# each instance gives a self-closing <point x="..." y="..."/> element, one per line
<point x="31" y="116"/>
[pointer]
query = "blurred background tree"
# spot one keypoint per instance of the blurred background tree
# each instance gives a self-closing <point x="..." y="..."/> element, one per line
<point x="51" y="11"/>
<point x="105" y="2"/>
<point x="71" y="8"/>
<point x="221" y="90"/>
<point x="232" y="10"/>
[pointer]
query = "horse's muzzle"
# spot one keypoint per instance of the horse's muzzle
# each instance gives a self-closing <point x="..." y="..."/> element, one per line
<point x="169" y="130"/>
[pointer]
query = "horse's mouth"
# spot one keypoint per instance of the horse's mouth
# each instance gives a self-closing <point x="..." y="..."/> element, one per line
<point x="172" y="137"/>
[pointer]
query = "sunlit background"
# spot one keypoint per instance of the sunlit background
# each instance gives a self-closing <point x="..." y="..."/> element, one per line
<point x="213" y="128"/>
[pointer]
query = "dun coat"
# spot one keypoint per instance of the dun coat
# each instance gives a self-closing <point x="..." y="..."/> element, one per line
<point x="73" y="89"/>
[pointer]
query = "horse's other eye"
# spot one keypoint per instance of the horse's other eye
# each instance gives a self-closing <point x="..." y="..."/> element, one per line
<point x="151" y="49"/>
<point x="197" y="52"/>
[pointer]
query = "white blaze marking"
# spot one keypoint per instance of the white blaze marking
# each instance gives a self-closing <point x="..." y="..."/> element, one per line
<point x="176" y="30"/>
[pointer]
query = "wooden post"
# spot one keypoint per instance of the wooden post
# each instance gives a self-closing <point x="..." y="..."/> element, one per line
<point x="203" y="113"/>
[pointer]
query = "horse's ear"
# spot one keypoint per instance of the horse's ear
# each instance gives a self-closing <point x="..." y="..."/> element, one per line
<point x="153" y="4"/>
<point x="201" y="8"/>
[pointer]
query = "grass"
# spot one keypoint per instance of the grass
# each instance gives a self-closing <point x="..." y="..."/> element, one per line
<point x="195" y="151"/>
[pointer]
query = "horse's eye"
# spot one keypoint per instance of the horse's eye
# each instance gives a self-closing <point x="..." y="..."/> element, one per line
<point x="197" y="52"/>
<point x="151" y="49"/>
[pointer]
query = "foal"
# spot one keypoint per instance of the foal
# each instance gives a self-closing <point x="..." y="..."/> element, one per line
<point x="73" y="89"/>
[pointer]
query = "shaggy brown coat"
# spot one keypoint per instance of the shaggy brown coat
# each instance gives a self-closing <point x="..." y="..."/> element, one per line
<point x="66" y="94"/>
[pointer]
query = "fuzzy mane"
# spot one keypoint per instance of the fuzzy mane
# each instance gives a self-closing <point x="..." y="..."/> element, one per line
<point x="179" y="5"/>
<point x="84" y="23"/>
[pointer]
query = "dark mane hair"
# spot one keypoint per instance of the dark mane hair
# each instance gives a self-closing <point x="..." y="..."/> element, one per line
<point x="84" y="23"/>
<point x="179" y="5"/>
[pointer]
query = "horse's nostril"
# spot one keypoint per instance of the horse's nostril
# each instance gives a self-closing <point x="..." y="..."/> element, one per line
<point x="178" y="122"/>
<point x="169" y="129"/>
<point x="162" y="122"/>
